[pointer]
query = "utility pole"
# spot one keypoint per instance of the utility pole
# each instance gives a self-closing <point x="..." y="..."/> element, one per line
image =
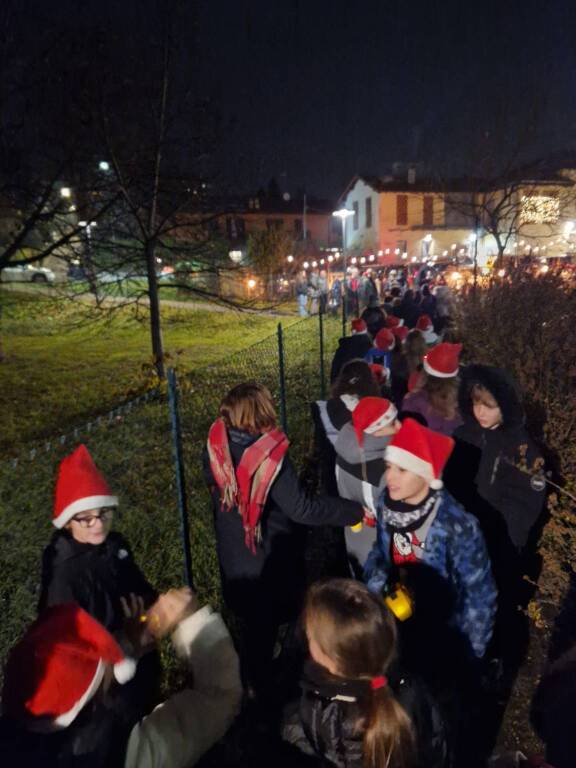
<point x="304" y="226"/>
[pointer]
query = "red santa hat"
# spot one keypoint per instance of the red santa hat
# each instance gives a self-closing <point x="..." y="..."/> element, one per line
<point x="380" y="373"/>
<point x="400" y="332"/>
<point x="384" y="340"/>
<point x="79" y="487"/>
<point x="58" y="666"/>
<point x="393" y="322"/>
<point x="359" y="326"/>
<point x="371" y="414"/>
<point x="442" y="361"/>
<point x="424" y="323"/>
<point x="420" y="450"/>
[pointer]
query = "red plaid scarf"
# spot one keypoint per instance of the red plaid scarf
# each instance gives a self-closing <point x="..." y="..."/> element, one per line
<point x="246" y="488"/>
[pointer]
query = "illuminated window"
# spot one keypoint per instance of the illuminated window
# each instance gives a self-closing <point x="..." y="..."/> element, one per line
<point x="539" y="209"/>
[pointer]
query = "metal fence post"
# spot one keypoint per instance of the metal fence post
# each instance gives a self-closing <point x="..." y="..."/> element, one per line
<point x="179" y="471"/>
<point x="283" y="416"/>
<point x="322" y="374"/>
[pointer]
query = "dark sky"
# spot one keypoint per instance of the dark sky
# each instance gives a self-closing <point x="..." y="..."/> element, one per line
<point x="321" y="89"/>
<point x="314" y="91"/>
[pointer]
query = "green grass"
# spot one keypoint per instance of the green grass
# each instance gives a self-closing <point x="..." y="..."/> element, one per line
<point x="61" y="370"/>
<point x="64" y="365"/>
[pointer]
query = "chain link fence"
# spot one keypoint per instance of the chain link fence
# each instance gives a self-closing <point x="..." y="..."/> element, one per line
<point x="134" y="446"/>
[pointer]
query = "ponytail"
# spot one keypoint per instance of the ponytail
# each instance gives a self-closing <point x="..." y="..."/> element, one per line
<point x="389" y="739"/>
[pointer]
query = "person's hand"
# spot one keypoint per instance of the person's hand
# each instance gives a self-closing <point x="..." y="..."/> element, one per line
<point x="169" y="610"/>
<point x="135" y="625"/>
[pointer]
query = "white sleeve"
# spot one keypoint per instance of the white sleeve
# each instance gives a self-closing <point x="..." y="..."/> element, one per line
<point x="179" y="731"/>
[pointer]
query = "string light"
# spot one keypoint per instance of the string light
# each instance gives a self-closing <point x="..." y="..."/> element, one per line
<point x="539" y="209"/>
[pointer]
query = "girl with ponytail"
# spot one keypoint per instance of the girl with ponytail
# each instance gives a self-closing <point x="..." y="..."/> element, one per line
<point x="358" y="710"/>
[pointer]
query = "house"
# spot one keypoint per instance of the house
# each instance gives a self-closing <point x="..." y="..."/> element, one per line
<point x="405" y="219"/>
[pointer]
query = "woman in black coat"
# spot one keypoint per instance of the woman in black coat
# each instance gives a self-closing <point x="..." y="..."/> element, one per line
<point x="263" y="584"/>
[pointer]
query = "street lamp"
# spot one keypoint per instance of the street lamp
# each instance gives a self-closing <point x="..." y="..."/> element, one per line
<point x="343" y="214"/>
<point x="104" y="165"/>
<point x="65" y="192"/>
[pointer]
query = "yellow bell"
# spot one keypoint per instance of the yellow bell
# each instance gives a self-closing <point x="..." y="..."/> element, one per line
<point x="356" y="528"/>
<point x="399" y="602"/>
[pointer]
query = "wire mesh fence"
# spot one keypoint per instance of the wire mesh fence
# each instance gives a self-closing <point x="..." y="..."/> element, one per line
<point x="133" y="446"/>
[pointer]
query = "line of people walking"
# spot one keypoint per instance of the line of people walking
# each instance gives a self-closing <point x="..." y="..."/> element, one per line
<point x="430" y="495"/>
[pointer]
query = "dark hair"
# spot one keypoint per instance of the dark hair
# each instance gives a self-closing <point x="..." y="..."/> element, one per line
<point x="425" y="291"/>
<point x="415" y="348"/>
<point x="356" y="378"/>
<point x="395" y="292"/>
<point x="356" y="631"/>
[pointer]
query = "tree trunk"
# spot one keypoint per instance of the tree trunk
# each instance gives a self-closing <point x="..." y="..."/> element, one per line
<point x="155" y="327"/>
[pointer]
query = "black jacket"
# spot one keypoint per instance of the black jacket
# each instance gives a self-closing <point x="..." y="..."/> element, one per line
<point x="374" y="319"/>
<point x="94" y="577"/>
<point x="325" y="724"/>
<point x="273" y="578"/>
<point x="349" y="348"/>
<point x="483" y="472"/>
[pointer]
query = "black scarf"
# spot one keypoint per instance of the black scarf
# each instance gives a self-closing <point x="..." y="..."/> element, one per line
<point x="402" y="516"/>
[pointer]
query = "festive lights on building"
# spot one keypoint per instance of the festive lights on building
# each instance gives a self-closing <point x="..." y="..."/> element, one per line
<point x="539" y="209"/>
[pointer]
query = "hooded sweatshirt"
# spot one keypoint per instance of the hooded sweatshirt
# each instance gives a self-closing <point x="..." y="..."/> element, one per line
<point x="360" y="477"/>
<point x="485" y="471"/>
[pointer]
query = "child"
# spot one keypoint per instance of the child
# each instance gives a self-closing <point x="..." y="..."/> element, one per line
<point x="360" y="468"/>
<point x="355" y="381"/>
<point x="61" y="704"/>
<point x="426" y="327"/>
<point x="428" y="541"/>
<point x="436" y="399"/>
<point x="351" y="347"/>
<point x="357" y="708"/>
<point x="384" y="342"/>
<point x="260" y="510"/>
<point x="89" y="564"/>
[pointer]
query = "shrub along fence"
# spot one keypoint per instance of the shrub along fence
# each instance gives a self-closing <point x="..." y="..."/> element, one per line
<point x="526" y="324"/>
<point x="135" y="447"/>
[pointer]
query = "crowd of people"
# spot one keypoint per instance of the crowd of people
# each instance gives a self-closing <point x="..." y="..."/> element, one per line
<point x="431" y="490"/>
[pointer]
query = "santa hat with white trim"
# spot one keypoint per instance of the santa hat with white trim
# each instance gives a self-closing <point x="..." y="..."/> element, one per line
<point x="420" y="450"/>
<point x="79" y="487"/>
<point x="384" y="340"/>
<point x="393" y="322"/>
<point x="442" y="361"/>
<point x="380" y="373"/>
<point x="372" y="414"/>
<point x="58" y="666"/>
<point x="424" y="323"/>
<point x="358" y="326"/>
<point x="400" y="333"/>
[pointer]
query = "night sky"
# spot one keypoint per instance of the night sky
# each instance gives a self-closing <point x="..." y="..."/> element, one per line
<point x="314" y="91"/>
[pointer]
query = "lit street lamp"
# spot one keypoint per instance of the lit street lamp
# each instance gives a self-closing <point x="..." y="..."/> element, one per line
<point x="343" y="214"/>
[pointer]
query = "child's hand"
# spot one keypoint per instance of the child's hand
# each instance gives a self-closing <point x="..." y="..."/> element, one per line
<point x="135" y="625"/>
<point x="169" y="610"/>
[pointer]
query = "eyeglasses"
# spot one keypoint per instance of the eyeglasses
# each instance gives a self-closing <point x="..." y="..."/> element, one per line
<point x="89" y="520"/>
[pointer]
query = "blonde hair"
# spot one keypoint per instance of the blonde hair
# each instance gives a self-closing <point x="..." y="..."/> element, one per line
<point x="249" y="407"/>
<point x="357" y="633"/>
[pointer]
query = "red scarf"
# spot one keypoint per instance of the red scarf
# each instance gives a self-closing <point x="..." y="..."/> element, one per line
<point x="246" y="488"/>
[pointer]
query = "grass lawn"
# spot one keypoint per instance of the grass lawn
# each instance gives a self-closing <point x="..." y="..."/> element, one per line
<point x="63" y="364"/>
<point x="62" y="370"/>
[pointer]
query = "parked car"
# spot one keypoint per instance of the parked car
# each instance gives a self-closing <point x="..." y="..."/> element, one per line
<point x="27" y="273"/>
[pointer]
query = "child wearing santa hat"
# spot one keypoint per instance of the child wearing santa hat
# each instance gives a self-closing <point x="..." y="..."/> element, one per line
<point x="426" y="327"/>
<point x="61" y="704"/>
<point x="435" y="399"/>
<point x="384" y="343"/>
<point x="89" y="564"/>
<point x="428" y="542"/>
<point x="360" y="467"/>
<point x="351" y="347"/>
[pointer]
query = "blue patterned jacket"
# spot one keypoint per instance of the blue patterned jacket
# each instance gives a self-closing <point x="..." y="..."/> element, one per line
<point x="456" y="550"/>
